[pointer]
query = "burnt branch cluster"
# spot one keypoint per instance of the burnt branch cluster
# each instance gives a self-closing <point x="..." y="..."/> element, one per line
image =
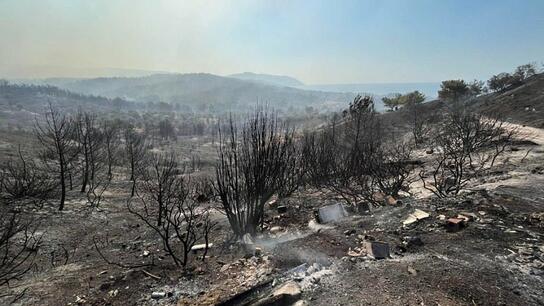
<point x="467" y="145"/>
<point x="354" y="159"/>
<point x="254" y="163"/>
<point x="164" y="201"/>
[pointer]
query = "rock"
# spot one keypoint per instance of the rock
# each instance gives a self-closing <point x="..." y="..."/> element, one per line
<point x="146" y="253"/>
<point x="376" y="249"/>
<point x="429" y="151"/>
<point x="113" y="293"/>
<point x="301" y="303"/>
<point x="158" y="295"/>
<point x="282" y="209"/>
<point x="276" y="229"/>
<point x="331" y="213"/>
<point x="412" y="271"/>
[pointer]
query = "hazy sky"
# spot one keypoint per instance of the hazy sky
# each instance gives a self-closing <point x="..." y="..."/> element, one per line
<point x="315" y="41"/>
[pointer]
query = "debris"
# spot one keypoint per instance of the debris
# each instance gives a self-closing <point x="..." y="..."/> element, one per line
<point x="224" y="268"/>
<point x="390" y="200"/>
<point x="258" y="251"/>
<point x="276" y="229"/>
<point x="356" y="252"/>
<point x="349" y="232"/>
<point x="80" y="299"/>
<point x="282" y="209"/>
<point x="151" y="275"/>
<point x="158" y="295"/>
<point x="417" y="215"/>
<point x="290" y="288"/>
<point x="363" y="208"/>
<point x="378" y="250"/>
<point x="287" y="294"/>
<point x="378" y="196"/>
<point x="331" y="213"/>
<point x="455" y="224"/>
<point x="411" y="241"/>
<point x="200" y="247"/>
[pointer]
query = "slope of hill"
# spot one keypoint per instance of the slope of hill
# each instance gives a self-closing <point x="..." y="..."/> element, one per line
<point x="204" y="90"/>
<point x="19" y="104"/>
<point x="523" y="104"/>
<point x="278" y="80"/>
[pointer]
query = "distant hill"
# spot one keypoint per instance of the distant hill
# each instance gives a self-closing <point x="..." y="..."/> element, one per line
<point x="278" y="80"/>
<point x="19" y="104"/>
<point x="201" y="90"/>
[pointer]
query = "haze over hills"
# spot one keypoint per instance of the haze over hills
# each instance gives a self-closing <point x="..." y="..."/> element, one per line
<point x="232" y="93"/>
<point x="203" y="90"/>
<point x="381" y="89"/>
<point x="279" y="80"/>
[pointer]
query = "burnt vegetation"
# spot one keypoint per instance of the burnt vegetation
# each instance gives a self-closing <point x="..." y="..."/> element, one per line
<point x="359" y="156"/>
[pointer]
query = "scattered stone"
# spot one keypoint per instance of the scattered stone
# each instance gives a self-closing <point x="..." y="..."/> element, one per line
<point x="376" y="249"/>
<point x="331" y="213"/>
<point x="158" y="295"/>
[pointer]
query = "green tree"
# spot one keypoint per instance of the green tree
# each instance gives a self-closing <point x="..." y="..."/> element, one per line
<point x="453" y="90"/>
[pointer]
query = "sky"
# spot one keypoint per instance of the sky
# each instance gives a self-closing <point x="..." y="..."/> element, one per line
<point x="318" y="42"/>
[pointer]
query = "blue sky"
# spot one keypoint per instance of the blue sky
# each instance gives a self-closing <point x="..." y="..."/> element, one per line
<point x="316" y="41"/>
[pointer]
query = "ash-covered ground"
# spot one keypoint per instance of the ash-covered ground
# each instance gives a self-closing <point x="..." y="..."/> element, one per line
<point x="493" y="256"/>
